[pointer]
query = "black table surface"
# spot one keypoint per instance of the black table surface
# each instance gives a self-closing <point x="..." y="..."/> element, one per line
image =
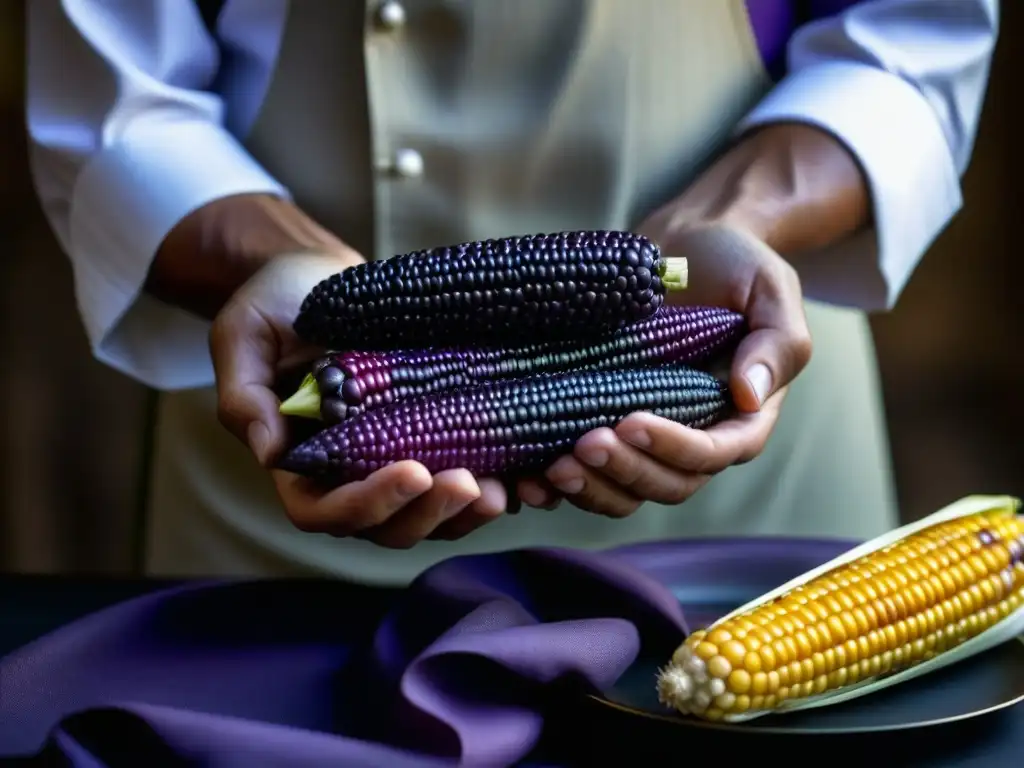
<point x="31" y="606"/>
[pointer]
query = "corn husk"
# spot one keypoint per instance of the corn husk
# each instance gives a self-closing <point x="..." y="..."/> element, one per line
<point x="305" y="403"/>
<point x="1006" y="630"/>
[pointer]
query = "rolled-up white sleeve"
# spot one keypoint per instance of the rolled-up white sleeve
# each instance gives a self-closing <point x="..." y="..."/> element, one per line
<point x="126" y="141"/>
<point x="901" y="83"/>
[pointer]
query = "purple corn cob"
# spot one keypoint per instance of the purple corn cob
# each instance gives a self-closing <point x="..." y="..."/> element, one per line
<point x="492" y="292"/>
<point x="345" y="384"/>
<point x="505" y="428"/>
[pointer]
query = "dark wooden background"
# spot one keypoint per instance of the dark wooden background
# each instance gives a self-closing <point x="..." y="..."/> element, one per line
<point x="71" y="431"/>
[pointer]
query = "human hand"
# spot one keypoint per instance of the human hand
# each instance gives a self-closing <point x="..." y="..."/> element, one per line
<point x="646" y="458"/>
<point x="252" y="342"/>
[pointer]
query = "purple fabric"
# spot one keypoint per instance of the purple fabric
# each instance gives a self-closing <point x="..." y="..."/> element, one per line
<point x="775" y="21"/>
<point x="274" y="672"/>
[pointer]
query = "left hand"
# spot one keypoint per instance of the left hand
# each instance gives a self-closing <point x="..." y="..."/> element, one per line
<point x="647" y="458"/>
<point x="252" y="340"/>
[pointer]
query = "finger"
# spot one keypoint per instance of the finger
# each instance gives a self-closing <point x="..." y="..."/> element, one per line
<point x="589" y="491"/>
<point x="640" y="473"/>
<point x="243" y="349"/>
<point x="488" y="507"/>
<point x="778" y="346"/>
<point x="494" y="498"/>
<point x="461" y="526"/>
<point x="354" y="506"/>
<point x="702" y="451"/>
<point x="538" y="493"/>
<point x="452" y="492"/>
<point x="744" y="437"/>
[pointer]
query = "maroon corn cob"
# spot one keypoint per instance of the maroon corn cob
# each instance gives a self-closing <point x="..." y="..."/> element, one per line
<point x="505" y="428"/>
<point x="347" y="383"/>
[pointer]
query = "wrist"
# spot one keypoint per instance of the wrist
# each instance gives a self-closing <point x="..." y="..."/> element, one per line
<point x="215" y="249"/>
<point x="792" y="186"/>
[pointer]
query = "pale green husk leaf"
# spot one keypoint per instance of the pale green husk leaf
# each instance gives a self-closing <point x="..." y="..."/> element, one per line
<point x="305" y="403"/>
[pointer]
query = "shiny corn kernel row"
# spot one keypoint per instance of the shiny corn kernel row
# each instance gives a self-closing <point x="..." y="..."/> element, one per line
<point x="506" y="428"/>
<point x="346" y="383"/>
<point x="889" y="610"/>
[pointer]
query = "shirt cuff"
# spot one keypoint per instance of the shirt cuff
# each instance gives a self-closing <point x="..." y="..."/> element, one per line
<point x="890" y="128"/>
<point x="126" y="200"/>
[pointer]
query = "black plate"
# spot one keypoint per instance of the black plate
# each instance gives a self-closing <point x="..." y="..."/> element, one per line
<point x="977" y="686"/>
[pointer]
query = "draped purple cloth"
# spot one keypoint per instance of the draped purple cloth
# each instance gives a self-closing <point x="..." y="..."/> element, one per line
<point x="294" y="673"/>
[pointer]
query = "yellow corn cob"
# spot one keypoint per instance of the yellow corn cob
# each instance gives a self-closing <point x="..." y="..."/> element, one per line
<point x="917" y="599"/>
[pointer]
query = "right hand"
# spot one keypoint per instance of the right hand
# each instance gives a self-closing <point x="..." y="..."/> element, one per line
<point x="252" y="342"/>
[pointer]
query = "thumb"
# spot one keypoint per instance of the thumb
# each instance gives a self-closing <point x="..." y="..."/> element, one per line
<point x="244" y="349"/>
<point x="766" y="361"/>
<point x="775" y="351"/>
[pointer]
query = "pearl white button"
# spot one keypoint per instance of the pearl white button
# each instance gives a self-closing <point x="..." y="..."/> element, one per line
<point x="408" y="163"/>
<point x="391" y="14"/>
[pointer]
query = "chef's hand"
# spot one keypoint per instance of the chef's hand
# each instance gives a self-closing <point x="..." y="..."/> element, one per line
<point x="252" y="342"/>
<point x="612" y="471"/>
<point x="784" y="188"/>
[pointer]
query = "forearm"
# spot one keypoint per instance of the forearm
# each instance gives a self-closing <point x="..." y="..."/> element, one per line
<point x="792" y="185"/>
<point x="900" y="84"/>
<point x="128" y="140"/>
<point x="214" y="250"/>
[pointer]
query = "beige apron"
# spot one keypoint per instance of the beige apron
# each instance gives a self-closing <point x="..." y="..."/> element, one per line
<point x="484" y="118"/>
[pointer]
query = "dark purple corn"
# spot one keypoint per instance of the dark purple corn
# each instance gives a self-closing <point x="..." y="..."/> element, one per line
<point x="493" y="291"/>
<point x="505" y="428"/>
<point x="348" y="383"/>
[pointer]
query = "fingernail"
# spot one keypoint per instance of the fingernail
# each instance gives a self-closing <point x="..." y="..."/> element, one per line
<point x="571" y="486"/>
<point x="259" y="439"/>
<point x="640" y="438"/>
<point x="760" y="379"/>
<point x="594" y="458"/>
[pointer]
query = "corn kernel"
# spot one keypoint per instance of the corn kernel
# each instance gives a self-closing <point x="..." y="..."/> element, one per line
<point x="891" y="609"/>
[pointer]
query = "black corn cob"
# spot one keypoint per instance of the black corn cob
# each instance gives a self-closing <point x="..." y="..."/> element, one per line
<point x="510" y="290"/>
<point x="505" y="428"/>
<point x="345" y="384"/>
